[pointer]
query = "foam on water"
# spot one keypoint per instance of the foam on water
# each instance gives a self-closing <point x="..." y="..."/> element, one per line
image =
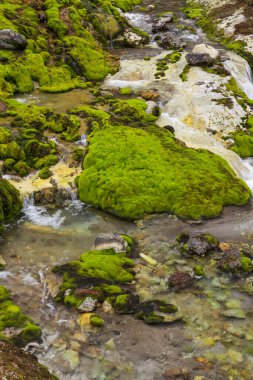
<point x="40" y="216"/>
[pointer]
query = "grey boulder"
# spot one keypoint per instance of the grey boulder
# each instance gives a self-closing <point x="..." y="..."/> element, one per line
<point x="11" y="40"/>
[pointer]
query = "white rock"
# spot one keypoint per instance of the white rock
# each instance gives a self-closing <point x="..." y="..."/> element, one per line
<point x="206" y="49"/>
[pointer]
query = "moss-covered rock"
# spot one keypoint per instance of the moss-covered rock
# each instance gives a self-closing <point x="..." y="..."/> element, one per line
<point x="10" y="202"/>
<point x="14" y="325"/>
<point x="130" y="172"/>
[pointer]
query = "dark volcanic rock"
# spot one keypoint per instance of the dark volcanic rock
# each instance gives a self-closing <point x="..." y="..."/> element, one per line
<point x="16" y="364"/>
<point x="10" y="40"/>
<point x="199" y="59"/>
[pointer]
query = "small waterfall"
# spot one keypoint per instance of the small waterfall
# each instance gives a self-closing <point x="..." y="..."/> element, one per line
<point x="241" y="72"/>
<point x="39" y="215"/>
<point x="83" y="140"/>
<point x="28" y="200"/>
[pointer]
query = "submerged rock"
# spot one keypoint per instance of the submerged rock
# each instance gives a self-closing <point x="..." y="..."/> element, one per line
<point x="88" y="305"/>
<point x="110" y="241"/>
<point x="18" y="364"/>
<point x="235" y="262"/>
<point x="180" y="280"/>
<point x="11" y="40"/>
<point x="201" y="245"/>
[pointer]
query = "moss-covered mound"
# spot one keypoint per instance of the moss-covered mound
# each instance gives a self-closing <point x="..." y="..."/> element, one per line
<point x="130" y="172"/>
<point x="10" y="202"/>
<point x="14" y="325"/>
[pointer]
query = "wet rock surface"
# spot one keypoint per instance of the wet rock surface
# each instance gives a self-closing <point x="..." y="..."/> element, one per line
<point x="180" y="280"/>
<point x="16" y="364"/>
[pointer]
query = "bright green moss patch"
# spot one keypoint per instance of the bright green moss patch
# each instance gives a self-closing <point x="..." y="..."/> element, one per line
<point x="233" y="87"/>
<point x="243" y="144"/>
<point x="96" y="321"/>
<point x="130" y="172"/>
<point x="125" y="5"/>
<point x="91" y="60"/>
<point x="12" y="316"/>
<point x="184" y="74"/>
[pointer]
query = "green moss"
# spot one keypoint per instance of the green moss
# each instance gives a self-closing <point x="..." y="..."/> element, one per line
<point x="243" y="144"/>
<point x="174" y="57"/>
<point x="111" y="289"/>
<point x="11" y="150"/>
<point x="78" y="154"/>
<point x="5" y="135"/>
<point x="100" y="265"/>
<point x="131" y="111"/>
<point x="96" y="321"/>
<point x="233" y="87"/>
<point x="21" y="168"/>
<point x="121" y="301"/>
<point x="10" y="202"/>
<point x="125" y="5"/>
<point x="9" y="163"/>
<point x="184" y="74"/>
<point x="45" y="162"/>
<point x="125" y="91"/>
<point x="131" y="172"/>
<point x="198" y="270"/>
<point x="45" y="173"/>
<point x="11" y="316"/>
<point x="246" y="264"/>
<point x="90" y="58"/>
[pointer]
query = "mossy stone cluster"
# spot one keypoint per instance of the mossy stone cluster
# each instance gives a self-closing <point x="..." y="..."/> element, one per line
<point x="10" y="202"/>
<point x="61" y="53"/>
<point x="12" y="317"/>
<point x="107" y="276"/>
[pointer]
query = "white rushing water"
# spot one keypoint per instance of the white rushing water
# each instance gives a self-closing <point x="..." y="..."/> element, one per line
<point x="39" y="215"/>
<point x="241" y="72"/>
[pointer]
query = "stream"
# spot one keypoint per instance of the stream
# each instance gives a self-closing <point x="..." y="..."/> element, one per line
<point x="126" y="348"/>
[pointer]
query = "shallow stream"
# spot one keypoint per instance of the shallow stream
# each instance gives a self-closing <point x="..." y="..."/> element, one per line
<point x="207" y="343"/>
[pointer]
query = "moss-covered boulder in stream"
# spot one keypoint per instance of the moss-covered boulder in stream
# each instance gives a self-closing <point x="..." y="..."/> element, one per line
<point x="15" y="326"/>
<point x="131" y="172"/>
<point x="10" y="202"/>
<point x="106" y="276"/>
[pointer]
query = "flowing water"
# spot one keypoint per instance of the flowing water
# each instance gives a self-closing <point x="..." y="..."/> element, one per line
<point x="207" y="343"/>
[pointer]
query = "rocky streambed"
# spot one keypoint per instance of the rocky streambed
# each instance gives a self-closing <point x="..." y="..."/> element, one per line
<point x="163" y="298"/>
